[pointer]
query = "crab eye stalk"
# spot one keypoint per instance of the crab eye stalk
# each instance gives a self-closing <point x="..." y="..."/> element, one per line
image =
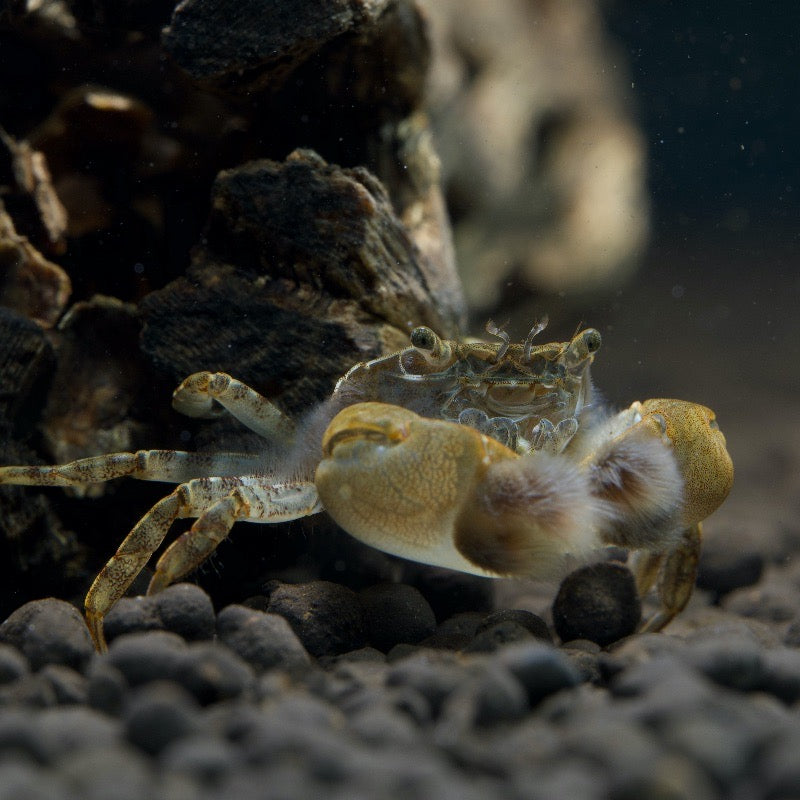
<point x="430" y="345"/>
<point x="583" y="346"/>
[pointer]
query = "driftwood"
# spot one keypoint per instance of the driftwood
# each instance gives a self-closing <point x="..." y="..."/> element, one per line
<point x="196" y="235"/>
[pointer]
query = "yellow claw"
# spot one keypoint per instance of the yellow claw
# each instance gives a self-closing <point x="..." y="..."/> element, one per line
<point x="445" y="494"/>
<point x="700" y="451"/>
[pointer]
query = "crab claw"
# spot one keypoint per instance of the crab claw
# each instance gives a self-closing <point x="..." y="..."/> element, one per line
<point x="445" y="494"/>
<point x="700" y="450"/>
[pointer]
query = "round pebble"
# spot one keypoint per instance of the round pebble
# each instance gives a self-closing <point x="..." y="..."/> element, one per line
<point x="598" y="602"/>
<point x="723" y="569"/>
<point x="13" y="665"/>
<point x="327" y="617"/>
<point x="533" y="623"/>
<point x="396" y="613"/>
<point x="186" y="609"/>
<point x="263" y="640"/>
<point x="502" y="633"/>
<point x="159" y="714"/>
<point x="49" y="631"/>
<point x="540" y="668"/>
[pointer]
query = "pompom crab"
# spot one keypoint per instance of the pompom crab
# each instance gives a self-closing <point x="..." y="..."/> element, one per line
<point x="491" y="459"/>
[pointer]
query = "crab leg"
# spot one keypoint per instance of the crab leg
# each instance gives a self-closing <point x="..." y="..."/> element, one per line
<point x="676" y="581"/>
<point x="202" y="394"/>
<point x="217" y="503"/>
<point x="170" y="466"/>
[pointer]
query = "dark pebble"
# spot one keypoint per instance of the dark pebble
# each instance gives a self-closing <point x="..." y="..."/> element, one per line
<point x="19" y="737"/>
<point x="70" y="687"/>
<point x="212" y="672"/>
<point x="730" y="660"/>
<point x="22" y="781"/>
<point x="49" y="631"/>
<point x="203" y="758"/>
<point x="588" y="664"/>
<point x="159" y="714"/>
<point x="723" y="569"/>
<point x="263" y="640"/>
<point x="528" y="620"/>
<point x="434" y="679"/>
<point x="780" y="768"/>
<point x="499" y="697"/>
<point x="13" y="664"/>
<point x="32" y="690"/>
<point x="107" y="687"/>
<point x="781" y="674"/>
<point x="598" y="602"/>
<point x="455" y="632"/>
<point x="449" y="592"/>
<point x="383" y="725"/>
<point x="131" y="615"/>
<point x="498" y="635"/>
<point x="396" y="613"/>
<point x="327" y="617"/>
<point x="187" y="610"/>
<point x="540" y="668"/>
<point x="67" y="730"/>
<point x="113" y="771"/>
<point x="147" y="656"/>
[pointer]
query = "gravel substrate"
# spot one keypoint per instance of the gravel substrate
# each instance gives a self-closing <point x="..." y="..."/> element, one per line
<point x="315" y="690"/>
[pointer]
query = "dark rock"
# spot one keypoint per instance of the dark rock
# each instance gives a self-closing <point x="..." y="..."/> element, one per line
<point x="396" y="613"/>
<point x="729" y="660"/>
<point x="20" y="779"/>
<point x="433" y="678"/>
<point x="598" y="602"/>
<point x="13" y="664"/>
<point x="32" y="690"/>
<point x="131" y="615"/>
<point x="723" y="569"/>
<point x="205" y="759"/>
<point x="773" y="599"/>
<point x="118" y="771"/>
<point x="328" y="618"/>
<point x="263" y="640"/>
<point x="781" y="674"/>
<point x="212" y="672"/>
<point x="67" y="730"/>
<point x="240" y="46"/>
<point x="498" y="635"/>
<point x="49" y="632"/>
<point x="186" y="609"/>
<point x="499" y="697"/>
<point x="450" y="592"/>
<point x="540" y="668"/>
<point x="589" y="665"/>
<point x="780" y="768"/>
<point x="19" y="737"/>
<point x="383" y="725"/>
<point x="455" y="632"/>
<point x="70" y="687"/>
<point x="159" y="714"/>
<point x="532" y="622"/>
<point x="107" y="687"/>
<point x="149" y="656"/>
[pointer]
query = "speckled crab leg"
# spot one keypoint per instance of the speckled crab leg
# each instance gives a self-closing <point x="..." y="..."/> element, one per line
<point x="677" y="578"/>
<point x="209" y="394"/>
<point x="217" y="503"/>
<point x="170" y="466"/>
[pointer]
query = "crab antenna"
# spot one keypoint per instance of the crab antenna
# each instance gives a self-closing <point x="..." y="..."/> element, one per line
<point x="498" y="331"/>
<point x="537" y="328"/>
